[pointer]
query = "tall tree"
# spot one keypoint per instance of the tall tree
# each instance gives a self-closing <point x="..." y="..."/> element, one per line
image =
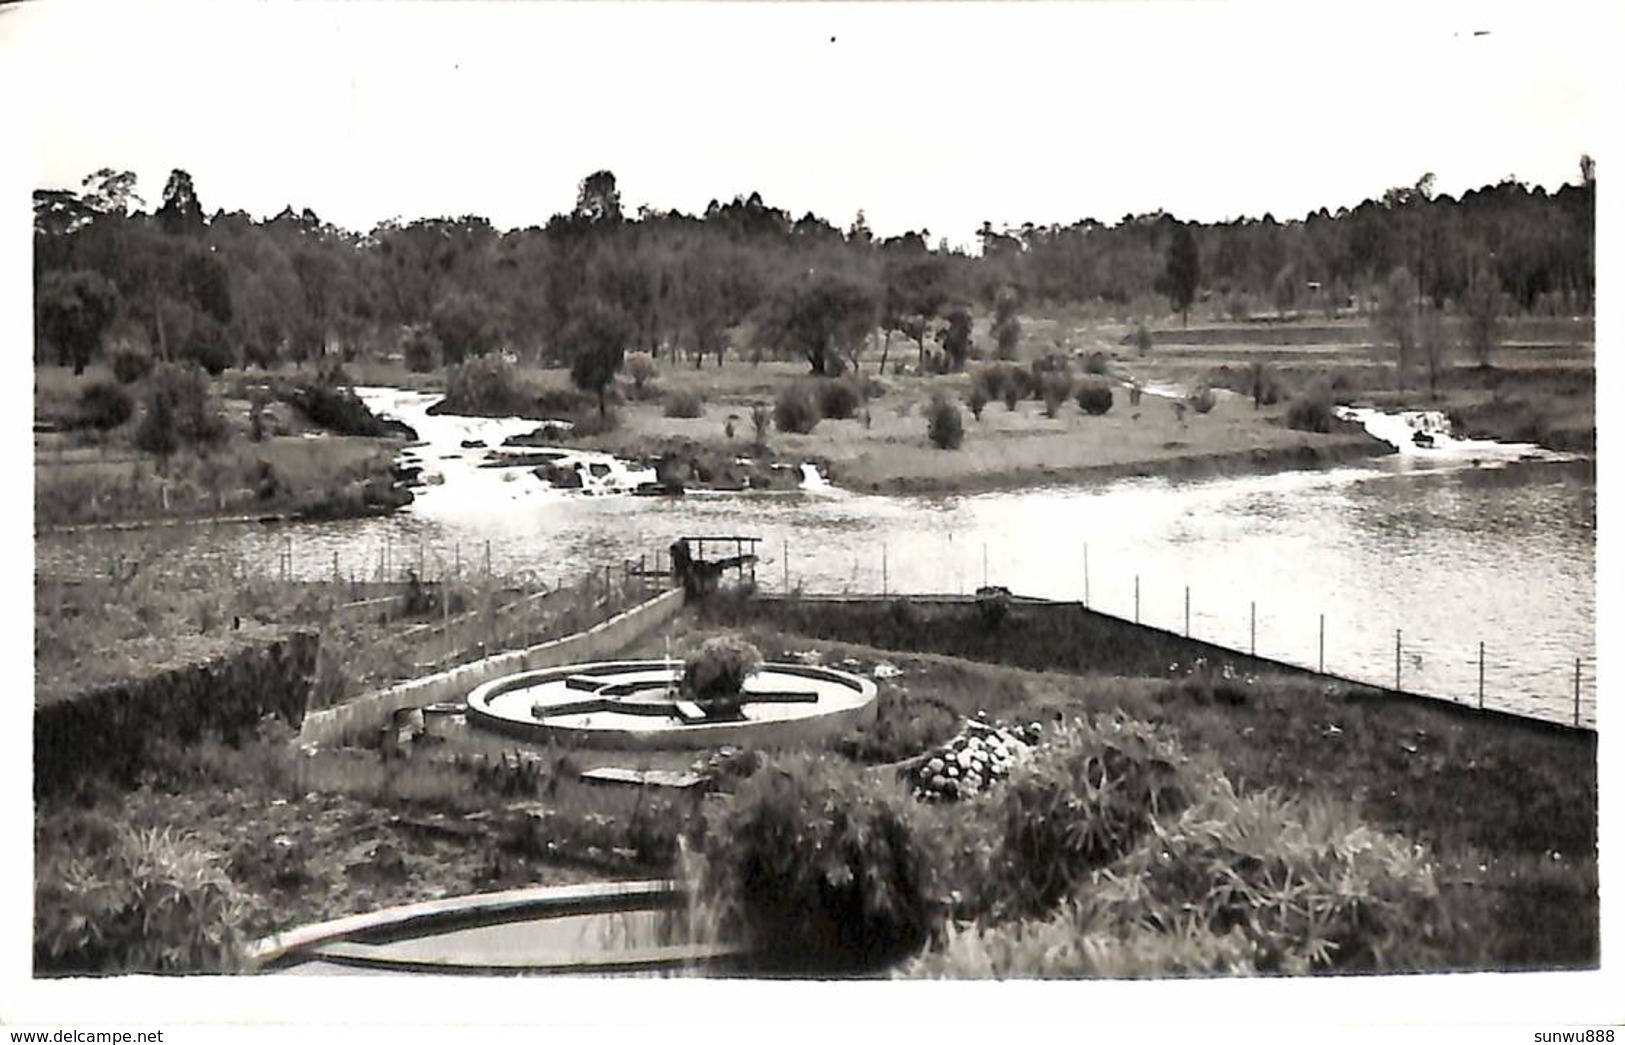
<point x="1396" y="318"/>
<point x="74" y="309"/>
<point x="1484" y="306"/>
<point x="955" y="337"/>
<point x="465" y="325"/>
<point x="1183" y="271"/>
<point x="598" y="200"/>
<point x="180" y="213"/>
<point x="596" y="341"/>
<point x="1006" y="324"/>
<point x="823" y="316"/>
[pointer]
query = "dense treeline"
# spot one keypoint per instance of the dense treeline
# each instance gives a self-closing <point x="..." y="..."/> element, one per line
<point x="744" y="277"/>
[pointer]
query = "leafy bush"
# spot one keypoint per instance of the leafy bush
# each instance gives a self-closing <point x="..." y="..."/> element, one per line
<point x="819" y="867"/>
<point x="685" y="404"/>
<point x="1311" y="410"/>
<point x="110" y="899"/>
<point x="759" y="417"/>
<point x="1049" y="363"/>
<point x="1066" y="946"/>
<point x="640" y="367"/>
<point x="420" y="349"/>
<point x="333" y="407"/>
<point x="796" y="409"/>
<point x="485" y="384"/>
<point x="988" y="381"/>
<point x="719" y="668"/>
<point x="1094" y="397"/>
<point x="207" y="346"/>
<point x="839" y="398"/>
<point x="977" y="400"/>
<point x="179" y="411"/>
<point x="1142" y="338"/>
<point x="129" y="364"/>
<point x="943" y="423"/>
<point x="1203" y="400"/>
<point x="1084" y="799"/>
<point x="104" y="405"/>
<point x="1054" y="386"/>
<point x="1095" y="364"/>
<point x="1310" y="887"/>
<point x="1265" y="386"/>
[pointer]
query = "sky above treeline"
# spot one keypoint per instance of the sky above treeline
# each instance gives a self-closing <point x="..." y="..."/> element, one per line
<point x="926" y="116"/>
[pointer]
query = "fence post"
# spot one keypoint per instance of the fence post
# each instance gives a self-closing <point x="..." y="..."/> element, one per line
<point x="984" y="564"/>
<point x="488" y="558"/>
<point x="1187" y="611"/>
<point x="1396" y="660"/>
<point x="1323" y="644"/>
<point x="787" y="566"/>
<point x="1253" y="629"/>
<point x="1576" y="691"/>
<point x="883" y="578"/>
<point x="1481" y="675"/>
<point x="1136" y="598"/>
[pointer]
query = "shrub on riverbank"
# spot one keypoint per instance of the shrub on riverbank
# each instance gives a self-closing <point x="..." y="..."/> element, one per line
<point x="485" y="385"/>
<point x="129" y="365"/>
<point x="1094" y="397"/>
<point x="684" y="404"/>
<point x="333" y="407"/>
<point x="840" y="397"/>
<point x="641" y="368"/>
<point x="180" y="411"/>
<point x="944" y="425"/>
<point x="1054" y="386"/>
<point x="796" y="409"/>
<point x="104" y="405"/>
<point x="1311" y="410"/>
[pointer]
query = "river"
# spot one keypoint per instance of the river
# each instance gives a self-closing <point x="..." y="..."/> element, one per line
<point x="1449" y="546"/>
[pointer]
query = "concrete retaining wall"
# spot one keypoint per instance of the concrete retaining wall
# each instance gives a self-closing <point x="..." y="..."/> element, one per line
<point x="354" y="719"/>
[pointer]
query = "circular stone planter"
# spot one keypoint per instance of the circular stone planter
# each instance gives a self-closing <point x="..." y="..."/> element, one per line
<point x="636" y="704"/>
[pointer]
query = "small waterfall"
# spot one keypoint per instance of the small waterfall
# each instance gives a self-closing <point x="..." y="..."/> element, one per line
<point x="812" y="480"/>
<point x="1428" y="434"/>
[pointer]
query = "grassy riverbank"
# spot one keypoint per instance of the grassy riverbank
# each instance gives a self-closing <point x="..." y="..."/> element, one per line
<point x="247" y="449"/>
<point x="1535" y="391"/>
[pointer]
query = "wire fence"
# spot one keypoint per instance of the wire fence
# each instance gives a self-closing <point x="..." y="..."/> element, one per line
<point x="1490" y="672"/>
<point x="385" y="615"/>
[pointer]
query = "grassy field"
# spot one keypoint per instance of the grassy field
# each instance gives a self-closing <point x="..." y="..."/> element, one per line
<point x="84" y="477"/>
<point x="1540" y="388"/>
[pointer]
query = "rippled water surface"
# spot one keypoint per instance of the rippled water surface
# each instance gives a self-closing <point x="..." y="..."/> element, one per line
<point x="1446" y="552"/>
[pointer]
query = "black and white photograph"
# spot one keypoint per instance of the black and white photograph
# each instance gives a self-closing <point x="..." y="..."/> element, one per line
<point x="540" y="504"/>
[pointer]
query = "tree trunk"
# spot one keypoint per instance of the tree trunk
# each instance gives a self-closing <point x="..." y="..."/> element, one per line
<point x="885" y="350"/>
